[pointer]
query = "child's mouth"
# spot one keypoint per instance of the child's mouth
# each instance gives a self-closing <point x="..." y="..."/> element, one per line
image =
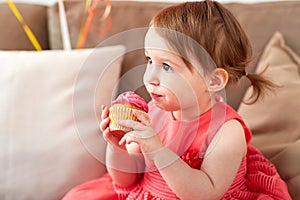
<point x="155" y="96"/>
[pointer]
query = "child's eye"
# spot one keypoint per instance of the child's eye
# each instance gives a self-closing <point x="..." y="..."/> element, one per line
<point x="148" y="59"/>
<point x="167" y="67"/>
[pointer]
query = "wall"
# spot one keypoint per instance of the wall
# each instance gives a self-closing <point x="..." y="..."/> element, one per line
<point x="50" y="2"/>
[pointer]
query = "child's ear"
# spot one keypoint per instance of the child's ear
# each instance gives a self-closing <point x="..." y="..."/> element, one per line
<point x="218" y="80"/>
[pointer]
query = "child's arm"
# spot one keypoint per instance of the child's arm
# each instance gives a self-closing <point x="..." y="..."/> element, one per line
<point x="218" y="169"/>
<point x="125" y="169"/>
<point x="123" y="162"/>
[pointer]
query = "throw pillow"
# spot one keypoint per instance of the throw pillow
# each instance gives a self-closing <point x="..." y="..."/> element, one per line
<point x="49" y="121"/>
<point x="274" y="120"/>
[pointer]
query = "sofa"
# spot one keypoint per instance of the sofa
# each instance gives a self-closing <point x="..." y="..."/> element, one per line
<point x="50" y="99"/>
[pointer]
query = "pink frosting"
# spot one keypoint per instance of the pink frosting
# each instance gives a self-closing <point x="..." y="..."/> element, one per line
<point x="132" y="98"/>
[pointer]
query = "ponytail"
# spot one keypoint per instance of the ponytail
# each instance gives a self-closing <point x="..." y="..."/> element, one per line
<point x="260" y="86"/>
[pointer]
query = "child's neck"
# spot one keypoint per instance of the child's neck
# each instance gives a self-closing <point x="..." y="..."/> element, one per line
<point x="192" y="113"/>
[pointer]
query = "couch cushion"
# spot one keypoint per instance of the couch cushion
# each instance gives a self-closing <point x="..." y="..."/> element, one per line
<point x="12" y="35"/>
<point x="49" y="120"/>
<point x="260" y="21"/>
<point x="125" y="15"/>
<point x="275" y="121"/>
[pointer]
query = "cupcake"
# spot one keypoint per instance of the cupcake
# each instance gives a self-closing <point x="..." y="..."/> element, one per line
<point x="122" y="109"/>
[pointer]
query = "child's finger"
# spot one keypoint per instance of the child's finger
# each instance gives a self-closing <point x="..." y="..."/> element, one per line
<point x="127" y="138"/>
<point x="104" y="124"/>
<point x="105" y="112"/>
<point x="143" y="117"/>
<point x="106" y="134"/>
<point x="132" y="124"/>
<point x="123" y="140"/>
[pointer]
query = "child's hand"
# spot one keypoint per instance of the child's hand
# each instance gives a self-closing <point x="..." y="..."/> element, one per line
<point x="104" y="127"/>
<point x="104" y="118"/>
<point x="112" y="138"/>
<point x="142" y="134"/>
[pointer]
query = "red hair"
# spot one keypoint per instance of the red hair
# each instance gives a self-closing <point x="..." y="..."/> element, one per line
<point x="215" y="28"/>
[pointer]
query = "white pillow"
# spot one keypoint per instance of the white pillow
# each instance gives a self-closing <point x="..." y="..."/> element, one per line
<point x="50" y="106"/>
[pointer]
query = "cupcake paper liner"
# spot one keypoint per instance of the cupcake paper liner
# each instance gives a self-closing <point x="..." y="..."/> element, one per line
<point x="121" y="112"/>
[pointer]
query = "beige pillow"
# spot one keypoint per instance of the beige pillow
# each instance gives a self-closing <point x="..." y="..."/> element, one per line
<point x="50" y="106"/>
<point x="275" y="120"/>
<point x="260" y="20"/>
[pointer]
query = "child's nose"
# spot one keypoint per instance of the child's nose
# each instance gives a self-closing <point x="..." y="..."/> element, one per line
<point x="151" y="76"/>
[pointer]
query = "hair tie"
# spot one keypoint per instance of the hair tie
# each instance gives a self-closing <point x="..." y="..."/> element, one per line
<point x="245" y="73"/>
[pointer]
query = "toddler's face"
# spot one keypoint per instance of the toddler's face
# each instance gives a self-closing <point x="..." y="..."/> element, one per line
<point x="170" y="83"/>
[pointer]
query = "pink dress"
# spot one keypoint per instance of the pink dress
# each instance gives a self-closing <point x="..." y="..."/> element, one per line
<point x="257" y="178"/>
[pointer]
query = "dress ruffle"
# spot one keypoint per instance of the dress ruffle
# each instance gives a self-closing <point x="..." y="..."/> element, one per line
<point x="262" y="180"/>
<point x="134" y="194"/>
